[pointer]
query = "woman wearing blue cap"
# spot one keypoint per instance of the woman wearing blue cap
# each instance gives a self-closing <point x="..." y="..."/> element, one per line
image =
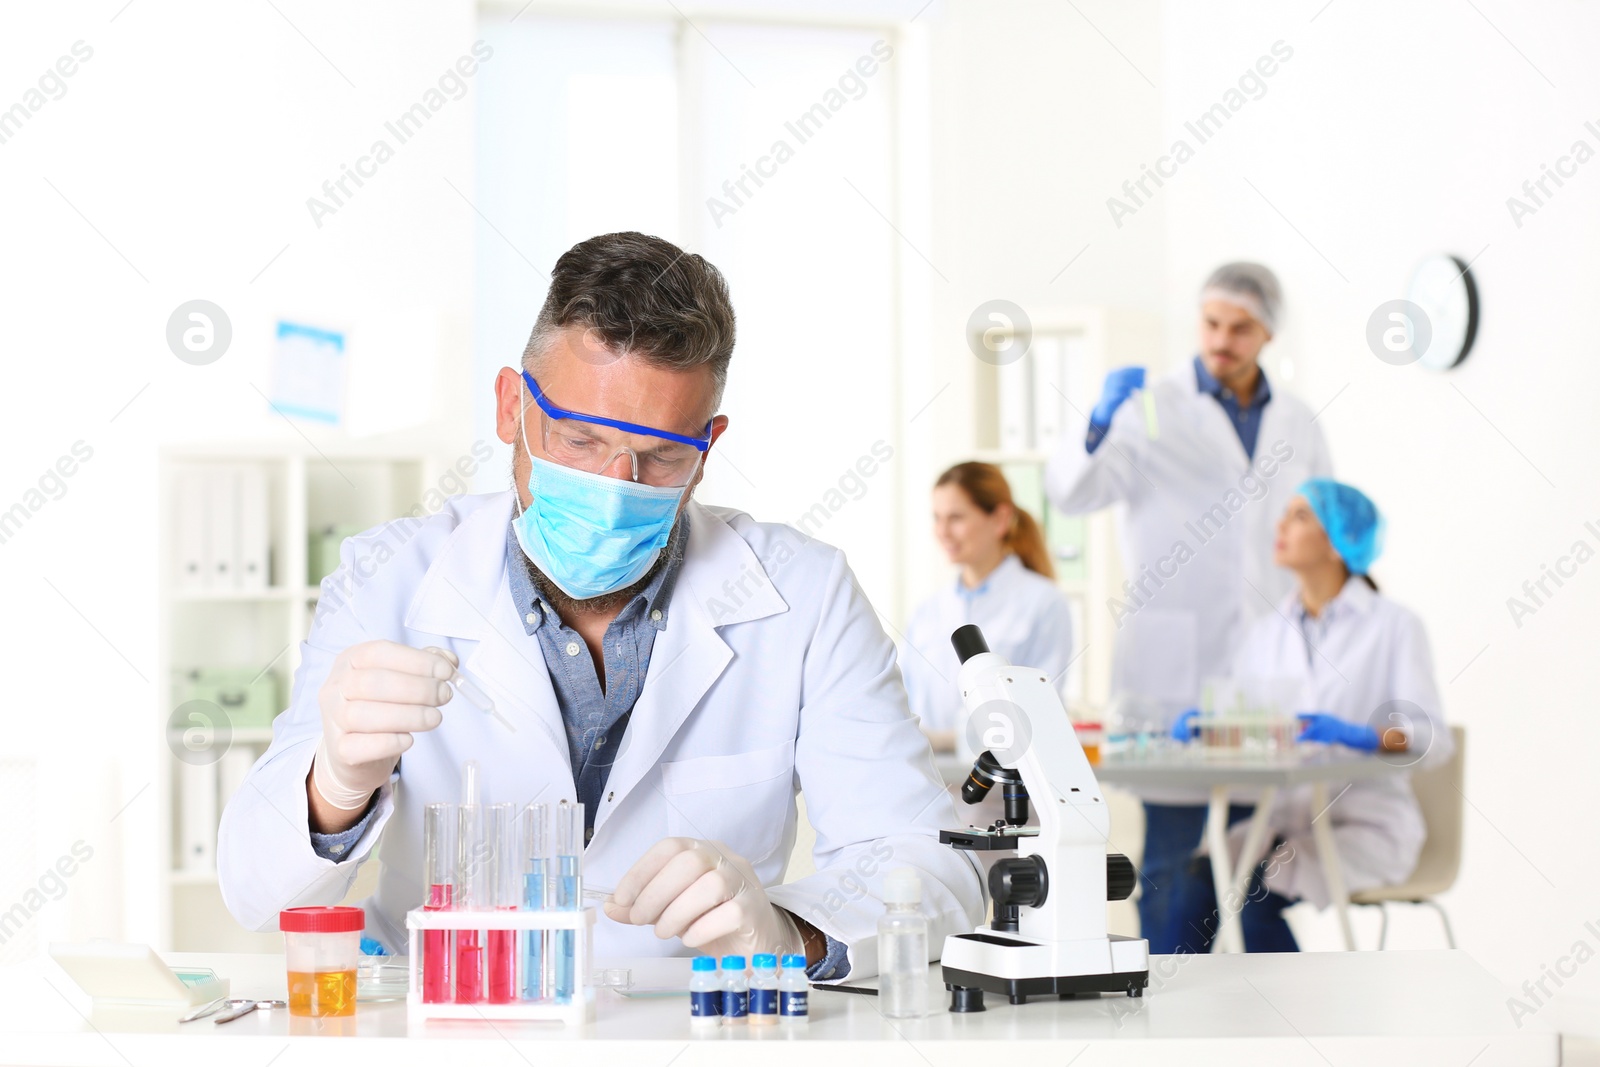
<point x="1365" y="677"/>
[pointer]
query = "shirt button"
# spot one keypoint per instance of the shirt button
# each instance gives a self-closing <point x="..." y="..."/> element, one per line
<point x="336" y="849"/>
<point x="600" y="742"/>
<point x="572" y="648"/>
<point x="655" y="616"/>
<point x="532" y="618"/>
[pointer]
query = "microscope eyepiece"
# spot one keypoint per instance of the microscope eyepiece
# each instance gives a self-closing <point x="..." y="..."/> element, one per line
<point x="968" y="641"/>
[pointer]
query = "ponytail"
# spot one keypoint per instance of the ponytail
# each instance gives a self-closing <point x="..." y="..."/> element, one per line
<point x="987" y="488"/>
<point x="1027" y="541"/>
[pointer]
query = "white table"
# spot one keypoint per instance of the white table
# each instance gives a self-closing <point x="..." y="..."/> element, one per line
<point x="1224" y="775"/>
<point x="1368" y="1008"/>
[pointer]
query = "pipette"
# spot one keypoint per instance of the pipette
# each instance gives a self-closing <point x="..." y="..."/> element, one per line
<point x="465" y="687"/>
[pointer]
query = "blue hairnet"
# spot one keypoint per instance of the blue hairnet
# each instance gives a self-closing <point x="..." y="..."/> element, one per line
<point x="1351" y="520"/>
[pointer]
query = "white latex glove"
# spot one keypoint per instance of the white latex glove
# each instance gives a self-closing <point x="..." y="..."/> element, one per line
<point x="375" y="697"/>
<point x="701" y="892"/>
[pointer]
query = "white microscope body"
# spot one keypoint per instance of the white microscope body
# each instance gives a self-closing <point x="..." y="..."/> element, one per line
<point x="1049" y="936"/>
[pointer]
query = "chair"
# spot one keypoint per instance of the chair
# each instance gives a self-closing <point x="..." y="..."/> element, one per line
<point x="1439" y="794"/>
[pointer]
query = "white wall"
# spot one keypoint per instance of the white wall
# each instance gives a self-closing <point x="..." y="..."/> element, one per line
<point x="189" y="142"/>
<point x="1393" y="132"/>
<point x="1035" y="117"/>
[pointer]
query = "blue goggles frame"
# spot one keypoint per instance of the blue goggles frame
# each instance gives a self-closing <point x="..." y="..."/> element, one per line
<point x="545" y="405"/>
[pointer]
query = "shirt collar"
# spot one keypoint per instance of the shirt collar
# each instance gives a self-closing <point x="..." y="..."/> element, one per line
<point x="651" y="601"/>
<point x="1355" y="598"/>
<point x="1205" y="383"/>
<point x="983" y="586"/>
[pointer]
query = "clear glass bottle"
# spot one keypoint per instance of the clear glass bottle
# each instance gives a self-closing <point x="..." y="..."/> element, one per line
<point x="903" y="948"/>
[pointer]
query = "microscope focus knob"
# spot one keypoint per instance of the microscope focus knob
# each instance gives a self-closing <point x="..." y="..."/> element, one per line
<point x="1020" y="881"/>
<point x="1120" y="876"/>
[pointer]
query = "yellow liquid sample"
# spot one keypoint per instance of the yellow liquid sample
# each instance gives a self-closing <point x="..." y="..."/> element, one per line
<point x="322" y="993"/>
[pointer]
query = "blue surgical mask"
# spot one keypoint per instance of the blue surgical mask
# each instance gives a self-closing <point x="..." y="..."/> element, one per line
<point x="590" y="534"/>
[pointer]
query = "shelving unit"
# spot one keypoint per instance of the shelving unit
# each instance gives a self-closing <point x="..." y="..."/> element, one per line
<point x="1020" y="410"/>
<point x="258" y="630"/>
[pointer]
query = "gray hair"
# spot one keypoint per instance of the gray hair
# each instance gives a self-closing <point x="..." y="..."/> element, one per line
<point x="643" y="297"/>
<point x="1250" y="286"/>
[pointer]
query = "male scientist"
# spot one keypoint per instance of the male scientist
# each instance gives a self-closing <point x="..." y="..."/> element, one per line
<point x="1203" y="460"/>
<point x="681" y="670"/>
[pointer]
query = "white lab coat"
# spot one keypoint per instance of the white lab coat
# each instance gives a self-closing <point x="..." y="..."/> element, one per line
<point x="1197" y="531"/>
<point x="772" y="675"/>
<point x="1024" y="616"/>
<point x="1369" y="652"/>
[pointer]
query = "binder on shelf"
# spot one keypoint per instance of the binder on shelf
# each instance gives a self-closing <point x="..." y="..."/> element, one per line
<point x="191" y="528"/>
<point x="1016" y="406"/>
<point x="1046" y="359"/>
<point x="222" y="518"/>
<point x="197" y="816"/>
<point x="254" y="529"/>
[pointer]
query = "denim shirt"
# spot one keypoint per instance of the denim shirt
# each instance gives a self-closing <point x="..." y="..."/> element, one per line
<point x="1246" y="419"/>
<point x="595" y="719"/>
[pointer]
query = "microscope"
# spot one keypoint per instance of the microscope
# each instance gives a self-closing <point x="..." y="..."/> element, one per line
<point x="1048" y="935"/>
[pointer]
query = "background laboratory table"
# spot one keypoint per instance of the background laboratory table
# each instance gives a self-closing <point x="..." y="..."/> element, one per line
<point x="1366" y="1009"/>
<point x="1225" y="774"/>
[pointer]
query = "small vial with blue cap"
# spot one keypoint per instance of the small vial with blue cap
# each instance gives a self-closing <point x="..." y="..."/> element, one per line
<point x="735" y="990"/>
<point x="763" y="989"/>
<point x="705" y="993"/>
<point x="793" y="990"/>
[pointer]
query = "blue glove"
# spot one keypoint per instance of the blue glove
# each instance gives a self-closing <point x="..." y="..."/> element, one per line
<point x="1183" y="729"/>
<point x="371" y="947"/>
<point x="1119" y="385"/>
<point x="1332" y="730"/>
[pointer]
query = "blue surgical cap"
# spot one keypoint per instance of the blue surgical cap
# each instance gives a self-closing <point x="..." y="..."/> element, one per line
<point x="1351" y="520"/>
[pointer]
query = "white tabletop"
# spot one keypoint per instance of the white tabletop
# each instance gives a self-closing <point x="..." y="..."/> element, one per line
<point x="1194" y="766"/>
<point x="1369" y="1008"/>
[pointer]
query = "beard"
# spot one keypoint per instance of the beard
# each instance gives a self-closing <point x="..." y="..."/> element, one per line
<point x="569" y="607"/>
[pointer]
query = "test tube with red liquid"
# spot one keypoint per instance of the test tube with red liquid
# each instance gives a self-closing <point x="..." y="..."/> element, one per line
<point x="439" y="860"/>
<point x="503" y="867"/>
<point x="471" y="886"/>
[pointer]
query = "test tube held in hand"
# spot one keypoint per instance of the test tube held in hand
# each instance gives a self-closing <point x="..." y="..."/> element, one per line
<point x="439" y="859"/>
<point x="569" y="892"/>
<point x="501" y="833"/>
<point x="537" y="892"/>
<point x="471" y="886"/>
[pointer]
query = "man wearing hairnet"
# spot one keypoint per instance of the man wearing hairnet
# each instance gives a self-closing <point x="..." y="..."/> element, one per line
<point x="1202" y="460"/>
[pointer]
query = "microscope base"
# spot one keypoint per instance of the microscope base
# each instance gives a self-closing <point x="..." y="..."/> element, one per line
<point x="967" y="985"/>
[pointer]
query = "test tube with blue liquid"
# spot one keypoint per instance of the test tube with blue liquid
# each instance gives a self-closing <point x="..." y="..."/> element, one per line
<point x="569" y="891"/>
<point x="538" y="890"/>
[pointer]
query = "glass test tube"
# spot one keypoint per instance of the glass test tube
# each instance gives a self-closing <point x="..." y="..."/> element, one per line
<point x="569" y="891"/>
<point x="439" y="859"/>
<point x="537" y="892"/>
<point x="501" y="835"/>
<point x="471" y="889"/>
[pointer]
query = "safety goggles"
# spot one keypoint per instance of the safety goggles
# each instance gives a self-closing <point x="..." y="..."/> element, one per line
<point x="592" y="443"/>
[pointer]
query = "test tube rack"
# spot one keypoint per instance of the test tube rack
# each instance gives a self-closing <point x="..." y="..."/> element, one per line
<point x="576" y="1011"/>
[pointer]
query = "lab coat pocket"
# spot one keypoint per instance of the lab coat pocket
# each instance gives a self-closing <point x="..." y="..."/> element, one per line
<point x="741" y="799"/>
